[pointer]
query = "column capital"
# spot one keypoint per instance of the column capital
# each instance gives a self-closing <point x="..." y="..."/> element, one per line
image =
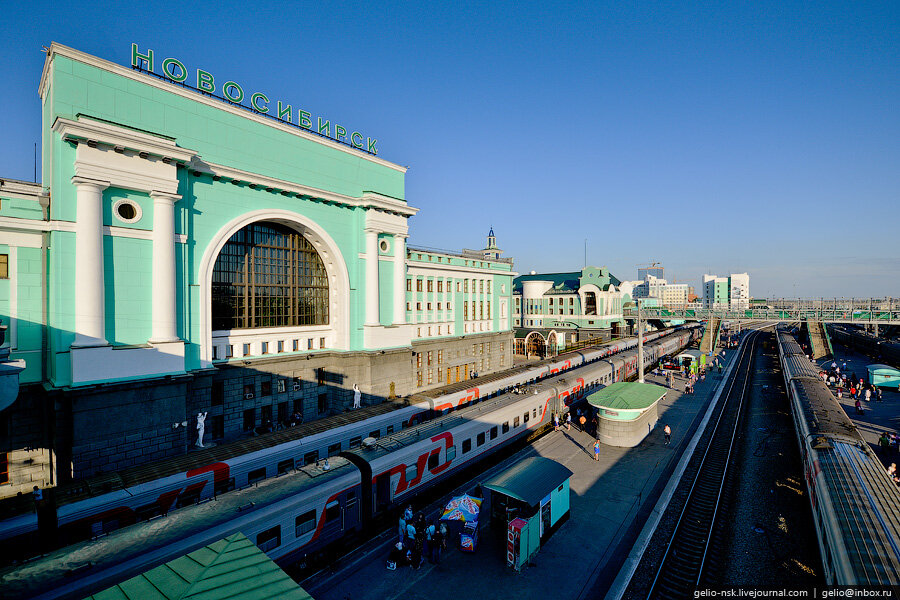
<point x="90" y="182"/>
<point x="372" y="229"/>
<point x="165" y="196"/>
<point x="400" y="236"/>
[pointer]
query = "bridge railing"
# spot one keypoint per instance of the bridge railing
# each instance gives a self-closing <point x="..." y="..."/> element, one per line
<point x="830" y="315"/>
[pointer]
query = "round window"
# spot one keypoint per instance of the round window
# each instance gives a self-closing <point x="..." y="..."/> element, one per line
<point x="127" y="211"/>
<point x="384" y="246"/>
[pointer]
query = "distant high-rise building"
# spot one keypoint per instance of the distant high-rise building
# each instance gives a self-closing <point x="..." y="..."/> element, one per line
<point x="726" y="292"/>
<point x="658" y="272"/>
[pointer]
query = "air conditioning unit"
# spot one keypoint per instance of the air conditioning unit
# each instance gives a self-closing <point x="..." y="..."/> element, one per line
<point x="296" y="387"/>
<point x="249" y="396"/>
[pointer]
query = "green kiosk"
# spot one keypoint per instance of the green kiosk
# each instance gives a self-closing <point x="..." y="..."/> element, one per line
<point x="530" y="500"/>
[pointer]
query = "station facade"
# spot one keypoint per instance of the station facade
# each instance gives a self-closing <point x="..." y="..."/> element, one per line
<point x="186" y="254"/>
<point x="555" y="310"/>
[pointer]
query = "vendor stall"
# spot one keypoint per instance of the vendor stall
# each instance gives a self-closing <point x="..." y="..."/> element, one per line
<point x="883" y="375"/>
<point x="461" y="517"/>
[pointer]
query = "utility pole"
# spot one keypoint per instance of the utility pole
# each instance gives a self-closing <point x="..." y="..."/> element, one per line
<point x="640" y="326"/>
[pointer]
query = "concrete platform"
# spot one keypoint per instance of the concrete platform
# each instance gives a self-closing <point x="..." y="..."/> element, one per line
<point x="877" y="416"/>
<point x="610" y="502"/>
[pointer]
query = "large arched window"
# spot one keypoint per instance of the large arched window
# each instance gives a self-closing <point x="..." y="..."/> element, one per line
<point x="268" y="275"/>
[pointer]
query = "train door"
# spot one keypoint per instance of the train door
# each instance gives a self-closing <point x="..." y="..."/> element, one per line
<point x="382" y="492"/>
<point x="333" y="523"/>
<point x="351" y="511"/>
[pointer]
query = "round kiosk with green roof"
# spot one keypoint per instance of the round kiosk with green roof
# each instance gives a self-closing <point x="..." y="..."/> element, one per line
<point x="627" y="412"/>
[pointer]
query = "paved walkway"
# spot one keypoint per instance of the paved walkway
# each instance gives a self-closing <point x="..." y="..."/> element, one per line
<point x="583" y="557"/>
<point x="877" y="416"/>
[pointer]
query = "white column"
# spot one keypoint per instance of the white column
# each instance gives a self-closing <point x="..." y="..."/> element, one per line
<point x="372" y="277"/>
<point x="90" y="294"/>
<point x="399" y="279"/>
<point x="164" y="323"/>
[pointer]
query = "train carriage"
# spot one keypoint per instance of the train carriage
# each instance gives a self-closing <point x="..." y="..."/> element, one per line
<point x="855" y="505"/>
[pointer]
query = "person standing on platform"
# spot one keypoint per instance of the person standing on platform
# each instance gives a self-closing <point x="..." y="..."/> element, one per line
<point x="402" y="527"/>
<point x="868" y="395"/>
<point x="668" y="432"/>
<point x="597" y="450"/>
<point x="437" y="544"/>
<point x="555" y="421"/>
<point x="568" y="420"/>
<point x="357" y="395"/>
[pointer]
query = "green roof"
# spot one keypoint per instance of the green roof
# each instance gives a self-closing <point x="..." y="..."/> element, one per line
<point x="624" y="395"/>
<point x="232" y="568"/>
<point x="882" y="369"/>
<point x="530" y="480"/>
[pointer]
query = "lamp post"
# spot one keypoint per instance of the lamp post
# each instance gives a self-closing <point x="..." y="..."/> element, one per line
<point x="640" y="342"/>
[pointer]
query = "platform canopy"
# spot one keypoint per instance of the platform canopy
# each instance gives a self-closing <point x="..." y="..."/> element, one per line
<point x="624" y="395"/>
<point x="232" y="568"/>
<point x="530" y="480"/>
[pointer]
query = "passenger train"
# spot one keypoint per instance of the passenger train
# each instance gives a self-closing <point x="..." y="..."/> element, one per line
<point x="314" y="505"/>
<point x="106" y="502"/>
<point x="855" y="505"/>
<point x="878" y="348"/>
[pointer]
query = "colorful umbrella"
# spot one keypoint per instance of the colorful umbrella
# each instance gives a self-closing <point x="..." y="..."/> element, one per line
<point x="462" y="508"/>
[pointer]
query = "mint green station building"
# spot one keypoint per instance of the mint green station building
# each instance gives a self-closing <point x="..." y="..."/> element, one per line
<point x="201" y="248"/>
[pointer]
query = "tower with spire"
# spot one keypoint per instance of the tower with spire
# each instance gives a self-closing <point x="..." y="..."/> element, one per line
<point x="491" y="251"/>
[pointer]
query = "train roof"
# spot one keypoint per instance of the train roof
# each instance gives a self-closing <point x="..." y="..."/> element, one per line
<point x="181" y="531"/>
<point x="413" y="435"/>
<point x="822" y="412"/>
<point x="108" y="482"/>
<point x="869" y="503"/>
<point x="800" y="366"/>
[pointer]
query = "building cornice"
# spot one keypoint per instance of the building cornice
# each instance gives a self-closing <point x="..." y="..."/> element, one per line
<point x="289" y="188"/>
<point x="21" y="190"/>
<point x="196" y="97"/>
<point x="15" y="224"/>
<point x="122" y="139"/>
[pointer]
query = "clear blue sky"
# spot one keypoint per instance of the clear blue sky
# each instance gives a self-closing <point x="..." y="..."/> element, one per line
<point x="759" y="137"/>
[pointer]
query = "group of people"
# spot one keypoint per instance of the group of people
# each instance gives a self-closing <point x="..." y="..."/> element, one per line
<point x="893" y="474"/>
<point x="836" y="377"/>
<point x="417" y="540"/>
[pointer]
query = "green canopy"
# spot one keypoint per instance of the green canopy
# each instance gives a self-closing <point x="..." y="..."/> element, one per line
<point x="530" y="480"/>
<point x="232" y="568"/>
<point x="624" y="395"/>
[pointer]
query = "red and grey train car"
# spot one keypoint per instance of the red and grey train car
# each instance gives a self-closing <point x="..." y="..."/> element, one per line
<point x="310" y="507"/>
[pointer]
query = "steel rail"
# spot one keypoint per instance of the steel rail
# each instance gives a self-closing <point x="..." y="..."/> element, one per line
<point x="690" y="541"/>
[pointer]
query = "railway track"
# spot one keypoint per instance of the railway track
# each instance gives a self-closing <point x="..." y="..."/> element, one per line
<point x="683" y="566"/>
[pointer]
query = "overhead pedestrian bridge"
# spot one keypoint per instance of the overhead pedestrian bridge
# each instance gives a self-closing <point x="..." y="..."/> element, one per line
<point x="857" y="312"/>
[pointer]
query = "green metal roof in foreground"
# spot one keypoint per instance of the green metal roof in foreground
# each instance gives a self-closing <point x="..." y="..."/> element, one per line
<point x="624" y="396"/>
<point x="232" y="568"/>
<point x="530" y="480"/>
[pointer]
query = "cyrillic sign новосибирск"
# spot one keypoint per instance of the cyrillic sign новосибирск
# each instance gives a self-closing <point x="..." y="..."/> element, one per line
<point x="174" y="70"/>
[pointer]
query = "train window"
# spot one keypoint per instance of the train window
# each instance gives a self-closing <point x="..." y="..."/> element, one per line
<point x="285" y="466"/>
<point x="467" y="445"/>
<point x="516" y="422"/>
<point x="389" y="430"/>
<point x="305" y="523"/>
<point x="506" y="427"/>
<point x="221" y="487"/>
<point x="451" y="453"/>
<point x="269" y="539"/>
<point x="310" y="457"/>
<point x="411" y="473"/>
<point x="479" y="439"/>
<point x="332" y="511"/>
<point x="375" y="434"/>
<point x="256" y="475"/>
<point x="525" y="417"/>
<point x="355" y="442"/>
<point x="433" y="461"/>
<point x="334" y="449"/>
<point x="350" y="503"/>
<point x="534" y="413"/>
<point x="493" y="432"/>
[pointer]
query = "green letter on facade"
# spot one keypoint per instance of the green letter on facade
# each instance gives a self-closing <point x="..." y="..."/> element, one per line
<point x="372" y="147"/>
<point x="238" y="97"/>
<point x="339" y="132"/>
<point x="324" y="127"/>
<point x="254" y="100"/>
<point x="305" y="119"/>
<point x="205" y="81"/>
<point x="353" y="141"/>
<point x="284" y="113"/>
<point x="136" y="57"/>
<point x="167" y="69"/>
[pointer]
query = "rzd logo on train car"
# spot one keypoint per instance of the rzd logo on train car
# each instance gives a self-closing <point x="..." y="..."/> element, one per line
<point x="570" y="396"/>
<point x="565" y="367"/>
<point x="421" y="462"/>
